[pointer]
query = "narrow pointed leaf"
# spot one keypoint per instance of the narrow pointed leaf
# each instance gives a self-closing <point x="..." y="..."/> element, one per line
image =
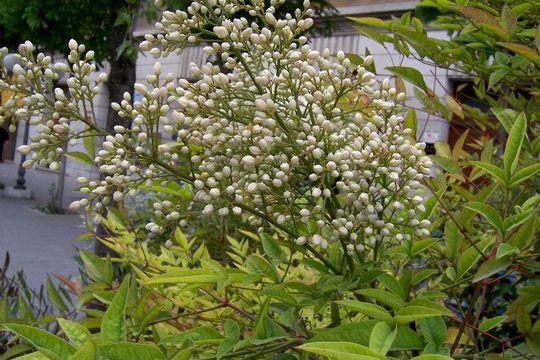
<point x="410" y="74"/>
<point x="493" y="170"/>
<point x="75" y="332"/>
<point x="513" y="145"/>
<point x="524" y="174"/>
<point x="131" y="351"/>
<point x="525" y="234"/>
<point x="516" y="220"/>
<point x="341" y="350"/>
<point x="470" y="257"/>
<point x="383" y="297"/>
<point x="87" y="351"/>
<point x="491" y="267"/>
<point x="373" y="311"/>
<point x="489" y="324"/>
<point x="382" y="337"/>
<point x="50" y="345"/>
<point x="488" y="212"/>
<point x="113" y="327"/>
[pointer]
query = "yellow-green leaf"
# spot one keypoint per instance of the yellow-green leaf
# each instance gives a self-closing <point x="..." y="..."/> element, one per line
<point x="113" y="328"/>
<point x="410" y="74"/>
<point x="373" y="311"/>
<point x="75" y="332"/>
<point x="513" y="145"/>
<point x="50" y="345"/>
<point x="523" y="50"/>
<point x="340" y="350"/>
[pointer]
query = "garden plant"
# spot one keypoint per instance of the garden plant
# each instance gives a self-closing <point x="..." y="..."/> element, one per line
<point x="337" y="236"/>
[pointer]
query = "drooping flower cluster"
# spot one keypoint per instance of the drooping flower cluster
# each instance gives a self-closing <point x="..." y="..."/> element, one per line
<point x="35" y="97"/>
<point x="266" y="136"/>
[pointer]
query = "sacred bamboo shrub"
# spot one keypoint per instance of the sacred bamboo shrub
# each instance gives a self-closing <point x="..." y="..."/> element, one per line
<point x="263" y="138"/>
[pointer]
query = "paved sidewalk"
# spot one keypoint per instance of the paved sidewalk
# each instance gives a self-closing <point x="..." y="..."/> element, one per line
<point x="38" y="243"/>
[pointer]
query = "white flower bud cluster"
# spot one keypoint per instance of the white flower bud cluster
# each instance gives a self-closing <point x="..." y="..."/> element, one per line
<point x="49" y="108"/>
<point x="270" y="133"/>
<point x="272" y="139"/>
<point x="130" y="157"/>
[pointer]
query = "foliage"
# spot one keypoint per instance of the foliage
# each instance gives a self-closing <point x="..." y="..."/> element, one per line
<point x="332" y="247"/>
<point x="22" y="304"/>
<point x="487" y="188"/>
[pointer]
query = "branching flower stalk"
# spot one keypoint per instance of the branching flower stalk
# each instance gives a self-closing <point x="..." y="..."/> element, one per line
<point x="264" y="139"/>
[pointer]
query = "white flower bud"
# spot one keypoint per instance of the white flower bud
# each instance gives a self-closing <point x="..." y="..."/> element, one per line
<point x="221" y="32"/>
<point x="73" y="45"/>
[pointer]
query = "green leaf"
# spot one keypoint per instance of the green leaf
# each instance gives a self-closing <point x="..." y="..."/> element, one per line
<point x="225" y="346"/>
<point x="18" y="349"/>
<point x="382" y="337"/>
<point x="340" y="350"/>
<point x="523" y="237"/>
<point x="272" y="249"/>
<point x="505" y="249"/>
<point x="418" y="309"/>
<point x="447" y="164"/>
<point x="80" y="157"/>
<point x="360" y="332"/>
<point x="33" y="356"/>
<point x="471" y="256"/>
<point x="193" y="276"/>
<point x="442" y="149"/>
<point x="259" y="266"/>
<point x="89" y="142"/>
<point x="279" y="292"/>
<point x="537" y="38"/>
<point x="420" y="245"/>
<point x="410" y="74"/>
<point x="523" y="319"/>
<point x="54" y="296"/>
<point x="373" y="311"/>
<point x="50" y="345"/>
<point x="75" y="332"/>
<point x="92" y="265"/>
<point x="533" y="342"/>
<point x="131" y="351"/>
<point x="371" y="21"/>
<point x="185" y="354"/>
<point x="482" y="19"/>
<point x="456" y="107"/>
<point x="452" y="239"/>
<point x="391" y="284"/>
<point x="202" y="335"/>
<point x="433" y="329"/>
<point x="487" y="211"/>
<point x="513" y="145"/>
<point x="496" y="76"/>
<point x="490" y="267"/>
<point x="87" y="351"/>
<point x="232" y="329"/>
<point x="492" y="170"/>
<point x="489" y="324"/>
<point x="113" y="327"/>
<point x="524" y="174"/>
<point x="432" y="357"/>
<point x="410" y="122"/>
<point x="523" y="50"/>
<point x="383" y="296"/>
<point x="516" y="220"/>
<point x="506" y="117"/>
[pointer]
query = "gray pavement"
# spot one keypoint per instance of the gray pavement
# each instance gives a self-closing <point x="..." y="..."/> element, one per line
<point x="38" y="243"/>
